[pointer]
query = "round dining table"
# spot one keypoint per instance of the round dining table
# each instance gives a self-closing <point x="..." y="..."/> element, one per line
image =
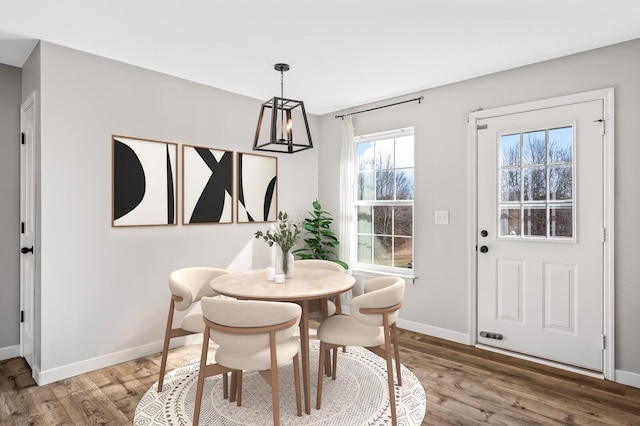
<point x="307" y="284"/>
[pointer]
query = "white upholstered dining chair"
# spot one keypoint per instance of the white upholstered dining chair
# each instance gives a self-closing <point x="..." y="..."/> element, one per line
<point x="372" y="325"/>
<point x="251" y="335"/>
<point x="332" y="307"/>
<point x="187" y="286"/>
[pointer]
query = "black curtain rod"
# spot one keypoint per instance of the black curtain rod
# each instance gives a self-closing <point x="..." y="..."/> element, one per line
<point x="383" y="106"/>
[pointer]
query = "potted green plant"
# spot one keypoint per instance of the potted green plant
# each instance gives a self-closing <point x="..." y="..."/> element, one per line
<point x="284" y="236"/>
<point x="320" y="241"/>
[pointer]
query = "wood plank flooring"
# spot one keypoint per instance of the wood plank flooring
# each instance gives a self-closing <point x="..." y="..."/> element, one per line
<point x="464" y="386"/>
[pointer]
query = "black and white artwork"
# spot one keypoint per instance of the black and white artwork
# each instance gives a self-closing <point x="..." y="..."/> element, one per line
<point x="207" y="185"/>
<point x="257" y="188"/>
<point x="144" y="182"/>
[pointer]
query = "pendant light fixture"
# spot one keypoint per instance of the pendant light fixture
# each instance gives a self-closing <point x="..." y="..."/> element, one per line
<point x="277" y="134"/>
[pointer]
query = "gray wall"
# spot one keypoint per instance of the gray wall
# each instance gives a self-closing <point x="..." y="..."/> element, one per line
<point x="438" y="303"/>
<point x="104" y="290"/>
<point x="10" y="100"/>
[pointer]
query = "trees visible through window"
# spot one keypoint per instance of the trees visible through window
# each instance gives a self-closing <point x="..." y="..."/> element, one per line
<point x="384" y="199"/>
<point x="536" y="183"/>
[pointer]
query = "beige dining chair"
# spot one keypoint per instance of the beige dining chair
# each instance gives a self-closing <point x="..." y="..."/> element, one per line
<point x="251" y="335"/>
<point x="332" y="307"/>
<point x="187" y="287"/>
<point x="372" y="325"/>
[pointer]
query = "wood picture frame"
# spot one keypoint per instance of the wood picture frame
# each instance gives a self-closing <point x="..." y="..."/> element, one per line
<point x="257" y="188"/>
<point x="143" y="186"/>
<point x="207" y="185"/>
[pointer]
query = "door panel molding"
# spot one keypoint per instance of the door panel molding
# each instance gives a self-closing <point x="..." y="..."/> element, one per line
<point x="607" y="97"/>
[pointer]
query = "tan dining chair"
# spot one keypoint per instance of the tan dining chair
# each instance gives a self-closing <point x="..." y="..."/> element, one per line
<point x="187" y="286"/>
<point x="251" y="335"/>
<point x="332" y="307"/>
<point x="372" y="325"/>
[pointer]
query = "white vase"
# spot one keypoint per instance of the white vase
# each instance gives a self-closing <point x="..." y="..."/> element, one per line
<point x="281" y="267"/>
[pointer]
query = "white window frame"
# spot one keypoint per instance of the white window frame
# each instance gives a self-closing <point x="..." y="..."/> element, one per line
<point x="367" y="268"/>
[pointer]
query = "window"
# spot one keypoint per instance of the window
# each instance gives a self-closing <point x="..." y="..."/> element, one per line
<point x="384" y="170"/>
<point x="536" y="184"/>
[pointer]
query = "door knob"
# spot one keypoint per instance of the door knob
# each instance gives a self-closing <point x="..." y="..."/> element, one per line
<point x="484" y="233"/>
<point x="26" y="250"/>
<point x="484" y="249"/>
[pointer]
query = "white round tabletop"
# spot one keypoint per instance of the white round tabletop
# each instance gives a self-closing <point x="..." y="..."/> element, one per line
<point x="306" y="284"/>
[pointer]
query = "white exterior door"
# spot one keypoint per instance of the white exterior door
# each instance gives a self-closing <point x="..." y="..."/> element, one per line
<point x="541" y="233"/>
<point x="28" y="128"/>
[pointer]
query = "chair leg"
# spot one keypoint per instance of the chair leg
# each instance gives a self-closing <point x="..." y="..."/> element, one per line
<point x="323" y="348"/>
<point x="296" y="377"/>
<point x="396" y="351"/>
<point x="201" y="376"/>
<point x="239" y="388"/>
<point x="165" y="346"/>
<point x="225" y="386"/>
<point x="335" y="363"/>
<point x="275" y="395"/>
<point x="234" y="387"/>
<point x="388" y="355"/>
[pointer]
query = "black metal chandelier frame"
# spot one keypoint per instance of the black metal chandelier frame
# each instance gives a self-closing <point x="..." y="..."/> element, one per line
<point x="281" y="137"/>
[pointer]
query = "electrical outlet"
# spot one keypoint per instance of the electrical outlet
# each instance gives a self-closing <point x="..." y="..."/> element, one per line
<point x="442" y="217"/>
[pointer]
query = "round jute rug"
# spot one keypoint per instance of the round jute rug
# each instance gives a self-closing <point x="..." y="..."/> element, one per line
<point x="358" y="396"/>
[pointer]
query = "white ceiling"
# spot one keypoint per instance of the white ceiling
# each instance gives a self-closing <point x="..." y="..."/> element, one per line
<point x="342" y="53"/>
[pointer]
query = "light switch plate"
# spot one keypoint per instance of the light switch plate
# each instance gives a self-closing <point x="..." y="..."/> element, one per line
<point x="442" y="217"/>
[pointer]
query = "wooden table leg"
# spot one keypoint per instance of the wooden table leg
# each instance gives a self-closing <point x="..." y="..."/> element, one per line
<point x="304" y="345"/>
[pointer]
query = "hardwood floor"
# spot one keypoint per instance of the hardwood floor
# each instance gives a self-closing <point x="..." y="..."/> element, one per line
<point x="464" y="386"/>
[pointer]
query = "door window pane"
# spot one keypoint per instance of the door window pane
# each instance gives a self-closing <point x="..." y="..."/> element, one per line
<point x="534" y="147"/>
<point x="535" y="183"/>
<point x="561" y="221"/>
<point x="510" y="185"/>
<point x="560" y="182"/>
<point x="509" y="221"/>
<point x="561" y="145"/>
<point x="535" y="221"/>
<point x="510" y="150"/>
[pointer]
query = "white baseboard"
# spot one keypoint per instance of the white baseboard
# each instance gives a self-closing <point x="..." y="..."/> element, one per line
<point x="429" y="330"/>
<point x="9" y="352"/>
<point x="438" y="332"/>
<point x="70" y="370"/>
<point x="628" y="378"/>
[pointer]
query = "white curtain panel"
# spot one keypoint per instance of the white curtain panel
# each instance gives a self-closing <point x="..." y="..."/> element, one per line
<point x="347" y="164"/>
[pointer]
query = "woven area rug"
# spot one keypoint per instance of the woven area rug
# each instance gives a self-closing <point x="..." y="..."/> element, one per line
<point x="358" y="396"/>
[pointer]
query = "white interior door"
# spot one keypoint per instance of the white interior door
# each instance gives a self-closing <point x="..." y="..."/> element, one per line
<point x="28" y="128"/>
<point x="541" y="233"/>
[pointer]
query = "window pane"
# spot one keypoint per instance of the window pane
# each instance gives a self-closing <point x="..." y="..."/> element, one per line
<point x="510" y="150"/>
<point x="365" y="252"/>
<point x="403" y="221"/>
<point x="382" y="253"/>
<point x="510" y="185"/>
<point x="403" y="253"/>
<point x="560" y="183"/>
<point x="404" y="184"/>
<point x="535" y="221"/>
<point x="382" y="220"/>
<point x="364" y="220"/>
<point x="534" y="147"/>
<point x="404" y="152"/>
<point x="365" y="185"/>
<point x="365" y="156"/>
<point x="509" y="221"/>
<point x="561" y="145"/>
<point x="535" y="183"/>
<point x="384" y="154"/>
<point x="561" y="220"/>
<point x="385" y="185"/>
